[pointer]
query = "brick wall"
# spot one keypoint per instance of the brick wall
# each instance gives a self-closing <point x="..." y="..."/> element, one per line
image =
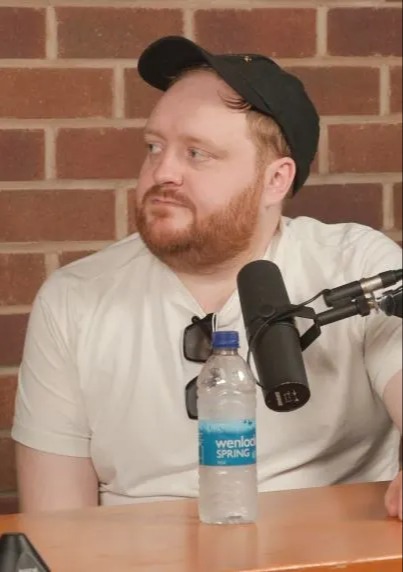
<point x="72" y="108"/>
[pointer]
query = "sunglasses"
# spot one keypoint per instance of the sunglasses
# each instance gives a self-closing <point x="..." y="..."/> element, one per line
<point x="197" y="348"/>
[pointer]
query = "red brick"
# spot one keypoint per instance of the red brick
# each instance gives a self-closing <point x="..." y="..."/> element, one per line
<point x="365" y="31"/>
<point x="12" y="335"/>
<point x="315" y="163"/>
<point x="113" y="32"/>
<point x="21" y="275"/>
<point x="396" y="90"/>
<point x="22" y="33"/>
<point x="99" y="153"/>
<point x="276" y="32"/>
<point x="68" y="257"/>
<point x="339" y="203"/>
<point x="8" y="481"/>
<point x="140" y="98"/>
<point x="9" y="504"/>
<point x="398" y="205"/>
<point x="8" y="387"/>
<point x="342" y="90"/>
<point x="48" y="93"/>
<point x="22" y="155"/>
<point x="369" y="148"/>
<point x="57" y="215"/>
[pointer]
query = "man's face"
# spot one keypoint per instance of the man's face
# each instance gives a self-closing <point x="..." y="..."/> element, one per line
<point x="199" y="189"/>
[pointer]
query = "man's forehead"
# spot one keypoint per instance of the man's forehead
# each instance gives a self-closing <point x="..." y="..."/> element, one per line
<point x="201" y="85"/>
<point x="196" y="98"/>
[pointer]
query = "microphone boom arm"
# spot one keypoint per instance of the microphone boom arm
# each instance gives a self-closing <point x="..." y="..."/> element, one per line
<point x="360" y="306"/>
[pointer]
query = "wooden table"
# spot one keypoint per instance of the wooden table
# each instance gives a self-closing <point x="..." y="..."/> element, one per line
<point x="343" y="528"/>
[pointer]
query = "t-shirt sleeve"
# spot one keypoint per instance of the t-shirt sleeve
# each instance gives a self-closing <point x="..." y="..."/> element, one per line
<point x="49" y="412"/>
<point x="383" y="334"/>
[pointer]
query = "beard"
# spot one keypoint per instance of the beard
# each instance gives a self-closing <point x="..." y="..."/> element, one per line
<point x="204" y="243"/>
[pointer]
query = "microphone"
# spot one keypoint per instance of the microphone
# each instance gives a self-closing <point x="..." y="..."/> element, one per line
<point x="17" y="554"/>
<point x="360" y="287"/>
<point x="391" y="302"/>
<point x="276" y="348"/>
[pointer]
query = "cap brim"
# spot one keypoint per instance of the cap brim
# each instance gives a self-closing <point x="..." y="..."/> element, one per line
<point x="163" y="60"/>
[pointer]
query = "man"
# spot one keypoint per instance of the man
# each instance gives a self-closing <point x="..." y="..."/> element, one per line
<point x="101" y="411"/>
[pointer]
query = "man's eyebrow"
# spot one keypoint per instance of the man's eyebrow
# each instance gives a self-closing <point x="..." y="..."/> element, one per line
<point x="199" y="140"/>
<point x="150" y="131"/>
<point x="215" y="146"/>
<point x="186" y="138"/>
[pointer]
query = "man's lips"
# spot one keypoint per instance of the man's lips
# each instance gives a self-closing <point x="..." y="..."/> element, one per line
<point x="167" y="202"/>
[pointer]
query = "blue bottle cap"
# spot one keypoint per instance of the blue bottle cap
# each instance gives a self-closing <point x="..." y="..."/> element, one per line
<point x="226" y="339"/>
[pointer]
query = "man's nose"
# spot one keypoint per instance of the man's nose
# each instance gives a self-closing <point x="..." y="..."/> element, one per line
<point x="168" y="170"/>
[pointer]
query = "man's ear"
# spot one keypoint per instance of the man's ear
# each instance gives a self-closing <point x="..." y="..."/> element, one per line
<point x="278" y="180"/>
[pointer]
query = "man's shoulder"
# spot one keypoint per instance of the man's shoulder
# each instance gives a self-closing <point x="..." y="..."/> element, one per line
<point x="346" y="235"/>
<point x="350" y="246"/>
<point x="98" y="272"/>
<point x="311" y="229"/>
<point x="108" y="260"/>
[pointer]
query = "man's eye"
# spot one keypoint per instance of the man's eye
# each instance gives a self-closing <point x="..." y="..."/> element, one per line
<point x="197" y="154"/>
<point x="153" y="148"/>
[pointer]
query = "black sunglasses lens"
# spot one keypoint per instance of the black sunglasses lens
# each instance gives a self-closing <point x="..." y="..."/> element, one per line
<point x="197" y="347"/>
<point x="197" y="341"/>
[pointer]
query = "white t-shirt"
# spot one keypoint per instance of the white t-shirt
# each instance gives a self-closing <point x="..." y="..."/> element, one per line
<point x="103" y="374"/>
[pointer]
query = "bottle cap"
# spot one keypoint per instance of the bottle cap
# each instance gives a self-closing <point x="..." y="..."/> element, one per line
<point x="226" y="339"/>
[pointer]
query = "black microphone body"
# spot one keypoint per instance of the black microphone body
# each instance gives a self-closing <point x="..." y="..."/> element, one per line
<point x="276" y="349"/>
<point x="391" y="303"/>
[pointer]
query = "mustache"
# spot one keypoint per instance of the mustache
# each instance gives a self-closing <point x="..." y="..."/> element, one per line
<point x="158" y="192"/>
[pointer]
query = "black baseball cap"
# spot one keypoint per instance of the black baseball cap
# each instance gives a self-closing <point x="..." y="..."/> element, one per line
<point x="259" y="80"/>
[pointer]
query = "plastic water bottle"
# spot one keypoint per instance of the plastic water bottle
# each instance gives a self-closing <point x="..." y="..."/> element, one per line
<point x="227" y="435"/>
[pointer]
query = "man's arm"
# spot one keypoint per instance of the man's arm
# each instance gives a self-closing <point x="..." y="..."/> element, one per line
<point x="392" y="398"/>
<point x="54" y="482"/>
<point x="51" y="426"/>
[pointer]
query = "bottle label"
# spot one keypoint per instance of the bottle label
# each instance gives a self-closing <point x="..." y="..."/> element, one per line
<point x="227" y="443"/>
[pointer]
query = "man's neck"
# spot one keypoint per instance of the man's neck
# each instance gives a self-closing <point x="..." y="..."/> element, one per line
<point x="212" y="289"/>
